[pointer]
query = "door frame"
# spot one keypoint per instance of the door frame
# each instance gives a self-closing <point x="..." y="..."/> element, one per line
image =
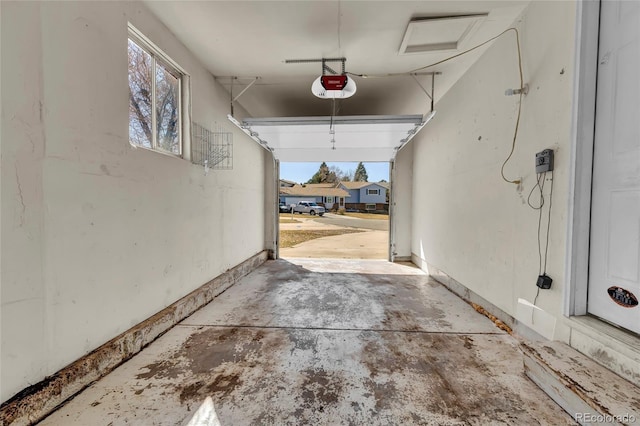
<point x="581" y="158"/>
<point x="276" y="225"/>
<point x="276" y="210"/>
<point x="392" y="223"/>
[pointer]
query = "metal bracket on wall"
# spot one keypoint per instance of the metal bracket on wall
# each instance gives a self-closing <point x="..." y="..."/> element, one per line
<point x="233" y="79"/>
<point x="431" y="95"/>
<point x="324" y="61"/>
<point x="523" y="90"/>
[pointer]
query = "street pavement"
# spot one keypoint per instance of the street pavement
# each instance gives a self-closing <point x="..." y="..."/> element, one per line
<point x="354" y="222"/>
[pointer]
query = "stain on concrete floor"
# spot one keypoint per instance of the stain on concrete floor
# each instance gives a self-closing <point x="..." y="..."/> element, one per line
<point x="290" y="345"/>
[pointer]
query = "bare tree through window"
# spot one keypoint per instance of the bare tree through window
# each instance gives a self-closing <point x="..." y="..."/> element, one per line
<point x="167" y="86"/>
<point x="154" y="88"/>
<point x="139" y="96"/>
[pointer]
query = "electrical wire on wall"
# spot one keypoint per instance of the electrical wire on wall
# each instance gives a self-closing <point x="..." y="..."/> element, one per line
<point x="521" y="91"/>
<point x="542" y="259"/>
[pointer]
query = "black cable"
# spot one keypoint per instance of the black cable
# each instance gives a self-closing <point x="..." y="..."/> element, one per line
<point x="540" y="176"/>
<point x="540" y="223"/>
<point x="543" y="268"/>
<point x="531" y="193"/>
<point x="546" y="249"/>
<point x="535" y="299"/>
<point x="540" y="186"/>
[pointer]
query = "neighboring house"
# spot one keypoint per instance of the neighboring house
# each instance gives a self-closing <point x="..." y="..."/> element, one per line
<point x="366" y="195"/>
<point x="325" y="194"/>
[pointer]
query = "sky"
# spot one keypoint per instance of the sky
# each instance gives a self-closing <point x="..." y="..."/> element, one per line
<point x="302" y="172"/>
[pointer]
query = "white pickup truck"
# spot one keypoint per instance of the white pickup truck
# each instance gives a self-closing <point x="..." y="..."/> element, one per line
<point x="308" y="207"/>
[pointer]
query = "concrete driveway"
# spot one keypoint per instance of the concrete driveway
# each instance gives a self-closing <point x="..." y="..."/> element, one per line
<point x="372" y="243"/>
<point x="323" y="342"/>
<point x="362" y="245"/>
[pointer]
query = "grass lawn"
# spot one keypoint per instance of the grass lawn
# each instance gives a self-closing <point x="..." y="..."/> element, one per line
<point x="368" y="216"/>
<point x="291" y="238"/>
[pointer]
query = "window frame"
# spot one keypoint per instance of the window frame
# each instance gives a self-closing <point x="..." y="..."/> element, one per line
<point x="373" y="191"/>
<point x="159" y="57"/>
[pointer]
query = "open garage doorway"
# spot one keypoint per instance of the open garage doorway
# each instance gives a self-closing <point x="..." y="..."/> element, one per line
<point x="334" y="210"/>
<point x="336" y="140"/>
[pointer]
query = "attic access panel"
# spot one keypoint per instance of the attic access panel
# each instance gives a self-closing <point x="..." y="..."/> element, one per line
<point x="444" y="33"/>
<point x="357" y="138"/>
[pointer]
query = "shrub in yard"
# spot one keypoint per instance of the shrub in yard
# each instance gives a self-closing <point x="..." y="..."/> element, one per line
<point x="341" y="211"/>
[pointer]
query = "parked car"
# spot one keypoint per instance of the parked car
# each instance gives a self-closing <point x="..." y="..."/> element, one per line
<point x="284" y="208"/>
<point x="308" y="207"/>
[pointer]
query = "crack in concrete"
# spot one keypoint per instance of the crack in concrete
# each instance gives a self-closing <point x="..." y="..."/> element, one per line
<point x="24" y="207"/>
<point x="376" y="330"/>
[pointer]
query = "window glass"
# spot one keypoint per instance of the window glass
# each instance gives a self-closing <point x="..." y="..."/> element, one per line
<point x="140" y="88"/>
<point x="167" y="114"/>
<point x="154" y="97"/>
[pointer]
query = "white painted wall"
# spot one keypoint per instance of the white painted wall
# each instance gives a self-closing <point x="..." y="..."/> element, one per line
<point x="96" y="235"/>
<point x="466" y="220"/>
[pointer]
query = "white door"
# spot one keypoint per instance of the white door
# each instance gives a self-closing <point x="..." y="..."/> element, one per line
<point x="614" y="271"/>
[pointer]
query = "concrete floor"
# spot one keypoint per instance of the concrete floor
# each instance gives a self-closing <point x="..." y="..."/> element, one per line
<point x="324" y="342"/>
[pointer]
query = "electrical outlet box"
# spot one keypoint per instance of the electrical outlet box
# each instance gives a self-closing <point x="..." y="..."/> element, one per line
<point x="544" y="281"/>
<point x="544" y="161"/>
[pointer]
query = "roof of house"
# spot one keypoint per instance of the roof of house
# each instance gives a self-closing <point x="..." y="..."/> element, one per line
<point x="287" y="182"/>
<point x="314" y="190"/>
<point x="321" y="185"/>
<point x="359" y="185"/>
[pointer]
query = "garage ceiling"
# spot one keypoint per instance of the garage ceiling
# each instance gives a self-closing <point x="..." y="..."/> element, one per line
<point x="240" y="40"/>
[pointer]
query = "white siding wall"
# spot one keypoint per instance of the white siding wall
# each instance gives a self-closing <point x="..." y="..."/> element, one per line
<point x="96" y="235"/>
<point x="380" y="197"/>
<point x="466" y="221"/>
